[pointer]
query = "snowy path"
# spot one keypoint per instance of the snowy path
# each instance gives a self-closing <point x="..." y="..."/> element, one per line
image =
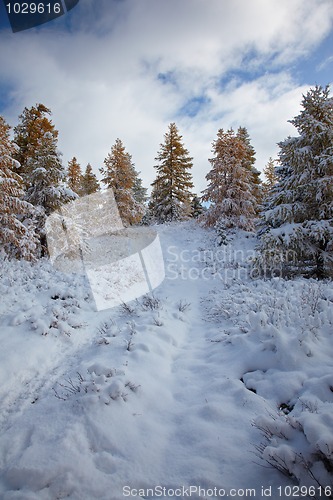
<point x="205" y="404"/>
<point x="169" y="410"/>
<point x="190" y="402"/>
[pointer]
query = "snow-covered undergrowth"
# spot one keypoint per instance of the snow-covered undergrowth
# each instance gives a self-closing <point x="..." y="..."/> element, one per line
<point x="205" y="383"/>
<point x="286" y="329"/>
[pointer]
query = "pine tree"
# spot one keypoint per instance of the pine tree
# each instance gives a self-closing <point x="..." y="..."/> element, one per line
<point x="74" y="176"/>
<point x="248" y="162"/>
<point x="196" y="207"/>
<point x="16" y="238"/>
<point x="139" y="191"/>
<point x="34" y="124"/>
<point x="119" y="174"/>
<point x="90" y="183"/>
<point x="273" y="172"/>
<point x="229" y="190"/>
<point x="270" y="174"/>
<point x="47" y="189"/>
<point x="171" y="193"/>
<point x="41" y="166"/>
<point x="299" y="219"/>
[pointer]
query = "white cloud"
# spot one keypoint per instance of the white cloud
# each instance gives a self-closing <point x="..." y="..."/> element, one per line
<point x="101" y="78"/>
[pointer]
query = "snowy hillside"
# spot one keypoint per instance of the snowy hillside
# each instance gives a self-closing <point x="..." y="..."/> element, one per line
<point x="192" y="391"/>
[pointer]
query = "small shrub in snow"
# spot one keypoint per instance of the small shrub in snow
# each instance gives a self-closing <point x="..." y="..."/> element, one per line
<point x="69" y="388"/>
<point x="127" y="308"/>
<point x="129" y="345"/>
<point x="108" y="328"/>
<point x="102" y="384"/>
<point x="157" y="321"/>
<point x="132" y="328"/>
<point x="133" y="387"/>
<point x="150" y="302"/>
<point x="311" y="295"/>
<point x="103" y="341"/>
<point x="299" y="445"/>
<point x="183" y="306"/>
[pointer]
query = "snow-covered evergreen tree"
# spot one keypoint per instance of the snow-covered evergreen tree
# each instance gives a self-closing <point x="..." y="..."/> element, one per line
<point x="139" y="191"/>
<point x="41" y="168"/>
<point x="229" y="191"/>
<point x="119" y="174"/>
<point x="47" y="176"/>
<point x="34" y="123"/>
<point x="47" y="191"/>
<point x="74" y="176"/>
<point x="270" y="174"/>
<point x="171" y="193"/>
<point x="299" y="219"/>
<point x="16" y="237"/>
<point x="90" y="183"/>
<point x="196" y="207"/>
<point x="249" y="162"/>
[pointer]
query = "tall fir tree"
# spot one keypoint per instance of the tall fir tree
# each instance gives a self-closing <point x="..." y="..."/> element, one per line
<point x="139" y="191"/>
<point x="34" y="123"/>
<point x="299" y="219"/>
<point x="171" y="193"/>
<point x="74" y="176"/>
<point x="270" y="174"/>
<point x="229" y="191"/>
<point x="17" y="236"/>
<point x="47" y="191"/>
<point x="248" y="162"/>
<point x="119" y="174"/>
<point x="47" y="177"/>
<point x="90" y="183"/>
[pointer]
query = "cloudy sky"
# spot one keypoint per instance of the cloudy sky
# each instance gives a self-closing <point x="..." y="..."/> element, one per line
<point x="127" y="68"/>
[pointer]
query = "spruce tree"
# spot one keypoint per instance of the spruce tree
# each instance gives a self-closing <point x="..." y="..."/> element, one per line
<point x="42" y="170"/>
<point x="248" y="162"/>
<point x="270" y="174"/>
<point x="47" y="191"/>
<point x="90" y="183"/>
<point x="171" y="193"/>
<point x="299" y="218"/>
<point x="229" y="191"/>
<point x="196" y="207"/>
<point x="47" y="177"/>
<point x="16" y="237"/>
<point x="119" y="174"/>
<point x="139" y="191"/>
<point x="74" y="176"/>
<point x="34" y="124"/>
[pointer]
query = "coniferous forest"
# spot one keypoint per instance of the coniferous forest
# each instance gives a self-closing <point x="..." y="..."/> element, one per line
<point x="291" y="209"/>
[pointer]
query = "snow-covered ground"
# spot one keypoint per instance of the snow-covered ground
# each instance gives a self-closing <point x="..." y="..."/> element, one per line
<point x="174" y="395"/>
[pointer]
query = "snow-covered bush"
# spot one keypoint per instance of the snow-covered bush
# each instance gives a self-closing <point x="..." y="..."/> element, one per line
<point x="286" y="329"/>
<point x="300" y="444"/>
<point x="100" y="384"/>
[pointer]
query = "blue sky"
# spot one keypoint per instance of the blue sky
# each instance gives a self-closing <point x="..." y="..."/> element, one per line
<point x="127" y="68"/>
